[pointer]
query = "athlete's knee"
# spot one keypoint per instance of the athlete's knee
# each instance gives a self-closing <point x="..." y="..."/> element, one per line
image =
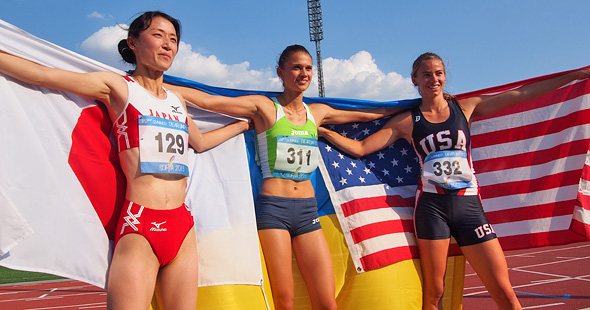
<point x="329" y="306"/>
<point x="283" y="301"/>
<point x="432" y="295"/>
<point x="324" y="304"/>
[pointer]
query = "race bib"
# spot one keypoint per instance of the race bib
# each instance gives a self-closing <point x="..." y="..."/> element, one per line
<point x="162" y="145"/>
<point x="297" y="157"/>
<point x="448" y="169"/>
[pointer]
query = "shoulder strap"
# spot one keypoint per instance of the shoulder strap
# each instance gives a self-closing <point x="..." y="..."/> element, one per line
<point x="279" y="108"/>
<point x="309" y="115"/>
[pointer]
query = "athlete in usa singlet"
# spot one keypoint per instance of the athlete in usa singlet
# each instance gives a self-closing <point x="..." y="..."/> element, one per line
<point x="447" y="198"/>
<point x="444" y="153"/>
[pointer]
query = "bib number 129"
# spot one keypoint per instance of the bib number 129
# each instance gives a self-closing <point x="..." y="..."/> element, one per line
<point x="175" y="143"/>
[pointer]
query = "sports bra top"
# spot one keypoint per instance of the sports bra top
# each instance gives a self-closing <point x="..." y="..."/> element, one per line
<point x="159" y="127"/>
<point x="288" y="151"/>
<point x="444" y="153"/>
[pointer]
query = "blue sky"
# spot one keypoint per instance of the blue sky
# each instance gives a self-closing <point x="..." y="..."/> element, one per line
<point x="368" y="46"/>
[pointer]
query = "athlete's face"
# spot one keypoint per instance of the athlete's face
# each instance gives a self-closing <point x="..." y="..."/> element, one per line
<point x="430" y="78"/>
<point x="156" y="46"/>
<point x="296" y="72"/>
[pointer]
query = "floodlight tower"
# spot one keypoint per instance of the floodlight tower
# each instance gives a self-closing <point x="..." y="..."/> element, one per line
<point x="316" y="34"/>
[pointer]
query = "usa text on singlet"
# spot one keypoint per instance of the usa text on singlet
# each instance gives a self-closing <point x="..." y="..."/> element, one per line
<point x="443" y="151"/>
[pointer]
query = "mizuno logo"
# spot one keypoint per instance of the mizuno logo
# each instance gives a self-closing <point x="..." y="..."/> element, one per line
<point x="157" y="226"/>
<point x="175" y="109"/>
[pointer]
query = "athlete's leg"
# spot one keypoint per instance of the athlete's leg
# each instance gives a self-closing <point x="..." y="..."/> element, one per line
<point x="433" y="262"/>
<point x="315" y="264"/>
<point x="276" y="247"/>
<point x="177" y="282"/>
<point x="132" y="274"/>
<point x="488" y="261"/>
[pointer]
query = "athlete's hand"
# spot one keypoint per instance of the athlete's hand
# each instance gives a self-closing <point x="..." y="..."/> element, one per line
<point x="583" y="74"/>
<point x="322" y="131"/>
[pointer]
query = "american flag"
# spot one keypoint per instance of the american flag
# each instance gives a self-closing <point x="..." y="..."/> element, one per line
<point x="531" y="161"/>
<point x="373" y="197"/>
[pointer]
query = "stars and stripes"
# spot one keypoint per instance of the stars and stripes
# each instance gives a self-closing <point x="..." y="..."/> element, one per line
<point x="531" y="161"/>
<point x="373" y="197"/>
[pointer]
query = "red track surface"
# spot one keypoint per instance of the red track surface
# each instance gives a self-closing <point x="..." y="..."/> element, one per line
<point x="556" y="277"/>
<point x="66" y="295"/>
<point x="548" y="278"/>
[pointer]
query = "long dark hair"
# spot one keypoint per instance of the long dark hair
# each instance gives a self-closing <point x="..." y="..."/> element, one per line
<point x="139" y="25"/>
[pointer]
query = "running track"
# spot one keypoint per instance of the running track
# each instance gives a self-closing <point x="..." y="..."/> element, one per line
<point x="548" y="278"/>
<point x="52" y="295"/>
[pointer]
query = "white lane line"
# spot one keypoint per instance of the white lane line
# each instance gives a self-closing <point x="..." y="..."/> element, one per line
<point x="53" y="290"/>
<point x="551" y="250"/>
<point x="543" y="306"/>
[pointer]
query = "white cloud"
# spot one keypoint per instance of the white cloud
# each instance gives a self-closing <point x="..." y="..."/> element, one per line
<point x="96" y="15"/>
<point x="357" y="77"/>
<point x="360" y="78"/>
<point x="209" y="70"/>
<point x="102" y="46"/>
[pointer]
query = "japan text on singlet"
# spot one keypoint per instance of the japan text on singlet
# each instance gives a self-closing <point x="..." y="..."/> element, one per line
<point x="288" y="151"/>
<point x="157" y="126"/>
<point x="444" y="152"/>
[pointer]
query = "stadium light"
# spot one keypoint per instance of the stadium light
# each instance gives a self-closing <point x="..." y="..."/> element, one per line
<point x="316" y="34"/>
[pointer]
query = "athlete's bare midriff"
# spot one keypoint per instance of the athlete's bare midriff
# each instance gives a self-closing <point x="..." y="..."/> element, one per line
<point x="287" y="188"/>
<point x="155" y="191"/>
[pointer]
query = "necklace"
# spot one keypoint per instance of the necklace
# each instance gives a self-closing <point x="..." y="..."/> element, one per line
<point x="294" y="111"/>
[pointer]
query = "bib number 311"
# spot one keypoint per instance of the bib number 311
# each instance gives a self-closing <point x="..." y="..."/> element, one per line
<point x="297" y="157"/>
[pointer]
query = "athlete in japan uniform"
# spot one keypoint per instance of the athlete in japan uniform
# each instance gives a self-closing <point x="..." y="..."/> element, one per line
<point x="447" y="198"/>
<point x="158" y="127"/>
<point x="152" y="137"/>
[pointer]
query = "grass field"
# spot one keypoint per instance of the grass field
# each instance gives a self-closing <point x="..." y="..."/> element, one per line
<point x="16" y="276"/>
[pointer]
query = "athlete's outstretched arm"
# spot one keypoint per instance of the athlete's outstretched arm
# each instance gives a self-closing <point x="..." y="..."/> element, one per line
<point x="244" y="106"/>
<point x="204" y="141"/>
<point x="489" y="104"/>
<point x="387" y="135"/>
<point x="98" y="85"/>
<point x="325" y="114"/>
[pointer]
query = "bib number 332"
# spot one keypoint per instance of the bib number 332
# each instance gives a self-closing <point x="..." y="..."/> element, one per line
<point x="448" y="169"/>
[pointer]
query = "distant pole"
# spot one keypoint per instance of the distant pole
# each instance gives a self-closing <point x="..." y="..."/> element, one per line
<point x="316" y="34"/>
